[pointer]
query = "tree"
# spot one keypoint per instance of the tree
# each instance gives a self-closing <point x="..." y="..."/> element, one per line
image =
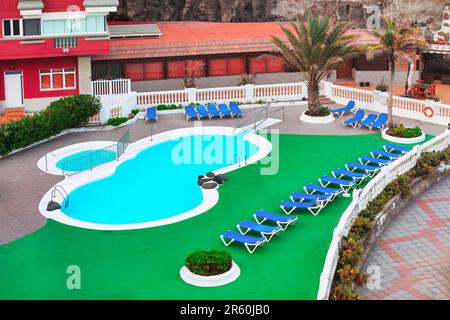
<point x="314" y="47"/>
<point x="393" y="44"/>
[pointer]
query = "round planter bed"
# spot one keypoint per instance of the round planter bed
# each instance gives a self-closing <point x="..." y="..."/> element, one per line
<point x="316" y="120"/>
<point x="390" y="138"/>
<point x="210" y="281"/>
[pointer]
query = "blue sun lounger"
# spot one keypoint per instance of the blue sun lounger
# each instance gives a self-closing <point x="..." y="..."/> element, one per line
<point x="357" y="176"/>
<point x="152" y="114"/>
<point x="235" y="111"/>
<point x="324" y="198"/>
<point x="224" y="110"/>
<point x="385" y="154"/>
<point x="282" y="221"/>
<point x="378" y="161"/>
<point x="190" y="112"/>
<point x="251" y="243"/>
<point x="371" y="170"/>
<point x="371" y="118"/>
<point x="202" y="113"/>
<point x="312" y="188"/>
<point x="345" y="185"/>
<point x="357" y="118"/>
<point x="266" y="231"/>
<point x="212" y="109"/>
<point x="312" y="206"/>
<point x="396" y="148"/>
<point x="380" y="122"/>
<point x="341" y="111"/>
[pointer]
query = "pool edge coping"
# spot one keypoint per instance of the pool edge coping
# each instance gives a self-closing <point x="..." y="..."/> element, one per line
<point x="210" y="197"/>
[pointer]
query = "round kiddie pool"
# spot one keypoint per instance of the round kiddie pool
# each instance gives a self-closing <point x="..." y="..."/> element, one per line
<point x="155" y="182"/>
<point x="77" y="157"/>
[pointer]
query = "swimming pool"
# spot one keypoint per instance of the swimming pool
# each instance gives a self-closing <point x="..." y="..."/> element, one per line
<point x="85" y="160"/>
<point x="159" y="182"/>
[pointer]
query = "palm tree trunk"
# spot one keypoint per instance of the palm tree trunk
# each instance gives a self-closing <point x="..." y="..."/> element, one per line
<point x="390" y="101"/>
<point x="313" y="99"/>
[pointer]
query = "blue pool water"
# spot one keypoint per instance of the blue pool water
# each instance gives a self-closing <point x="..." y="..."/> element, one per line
<point x="85" y="160"/>
<point x="160" y="182"/>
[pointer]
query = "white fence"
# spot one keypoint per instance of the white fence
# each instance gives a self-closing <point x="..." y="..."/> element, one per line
<point x="361" y="199"/>
<point x="377" y="101"/>
<point x="113" y="92"/>
<point x="121" y="109"/>
<point x="246" y="93"/>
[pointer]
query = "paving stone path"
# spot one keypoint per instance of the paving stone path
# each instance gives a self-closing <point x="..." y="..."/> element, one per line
<point x="412" y="256"/>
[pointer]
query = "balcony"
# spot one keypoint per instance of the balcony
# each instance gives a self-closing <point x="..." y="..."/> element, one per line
<point x="69" y="42"/>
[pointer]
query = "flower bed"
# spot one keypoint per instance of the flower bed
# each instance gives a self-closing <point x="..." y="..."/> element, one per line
<point x="404" y="135"/>
<point x="209" y="263"/>
<point x="323" y="117"/>
<point x="209" y="269"/>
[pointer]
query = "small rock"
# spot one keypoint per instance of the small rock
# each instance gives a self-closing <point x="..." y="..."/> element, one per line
<point x="210" y="185"/>
<point x="52" y="206"/>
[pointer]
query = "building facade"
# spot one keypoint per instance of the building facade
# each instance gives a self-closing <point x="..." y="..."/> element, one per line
<point x="45" y="48"/>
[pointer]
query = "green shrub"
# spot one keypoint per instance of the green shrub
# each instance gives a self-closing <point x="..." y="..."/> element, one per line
<point x="65" y="113"/>
<point x="135" y="111"/>
<point x="116" y="121"/>
<point x="402" y="132"/>
<point x="324" y="111"/>
<point x="168" y="107"/>
<point x="208" y="263"/>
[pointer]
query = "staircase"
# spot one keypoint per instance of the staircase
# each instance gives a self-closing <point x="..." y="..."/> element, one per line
<point x="326" y="101"/>
<point x="12" y="114"/>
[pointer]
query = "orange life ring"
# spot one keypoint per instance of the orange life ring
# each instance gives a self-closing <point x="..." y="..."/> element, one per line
<point x="428" y="112"/>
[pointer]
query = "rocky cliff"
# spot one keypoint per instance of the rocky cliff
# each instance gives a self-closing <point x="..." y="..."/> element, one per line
<point x="418" y="12"/>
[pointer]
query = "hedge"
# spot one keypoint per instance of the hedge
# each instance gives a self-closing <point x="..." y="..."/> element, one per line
<point x="65" y="113"/>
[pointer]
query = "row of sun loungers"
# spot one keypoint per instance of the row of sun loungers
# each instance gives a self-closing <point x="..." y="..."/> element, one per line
<point x="314" y="197"/>
<point x="278" y="223"/>
<point x="371" y="121"/>
<point x="212" y="111"/>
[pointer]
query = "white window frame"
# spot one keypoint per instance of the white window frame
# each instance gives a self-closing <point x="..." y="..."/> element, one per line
<point x="63" y="72"/>
<point x="11" y="28"/>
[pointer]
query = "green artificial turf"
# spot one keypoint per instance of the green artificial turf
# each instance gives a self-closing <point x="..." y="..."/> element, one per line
<point x="145" y="264"/>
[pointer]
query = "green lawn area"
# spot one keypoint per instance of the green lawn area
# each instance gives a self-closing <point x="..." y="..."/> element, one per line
<point x="144" y="264"/>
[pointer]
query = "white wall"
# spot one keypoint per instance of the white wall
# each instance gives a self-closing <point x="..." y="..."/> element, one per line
<point x="377" y="77"/>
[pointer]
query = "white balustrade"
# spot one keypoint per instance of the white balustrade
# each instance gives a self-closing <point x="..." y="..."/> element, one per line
<point x="361" y="199"/>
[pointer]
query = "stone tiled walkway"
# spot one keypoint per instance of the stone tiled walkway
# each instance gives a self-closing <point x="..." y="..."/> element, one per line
<point x="413" y="254"/>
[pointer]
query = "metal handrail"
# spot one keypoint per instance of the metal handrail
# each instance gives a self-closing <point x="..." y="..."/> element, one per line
<point x="46" y="162"/>
<point x="62" y="192"/>
<point x="249" y="120"/>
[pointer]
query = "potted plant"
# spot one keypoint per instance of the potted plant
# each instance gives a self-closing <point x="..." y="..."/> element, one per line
<point x="402" y="134"/>
<point x="209" y="268"/>
<point x="314" y="47"/>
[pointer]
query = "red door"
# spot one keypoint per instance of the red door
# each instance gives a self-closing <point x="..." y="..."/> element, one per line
<point x="345" y="71"/>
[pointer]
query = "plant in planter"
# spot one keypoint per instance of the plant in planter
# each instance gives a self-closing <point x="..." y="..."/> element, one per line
<point x="314" y="47"/>
<point x="403" y="132"/>
<point x="247" y="79"/>
<point x="209" y="263"/>
<point x="382" y="87"/>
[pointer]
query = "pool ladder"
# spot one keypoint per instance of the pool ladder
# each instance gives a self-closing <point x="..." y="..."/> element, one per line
<point x="62" y="192"/>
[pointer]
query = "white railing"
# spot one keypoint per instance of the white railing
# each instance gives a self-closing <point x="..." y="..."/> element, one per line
<point x="377" y="101"/>
<point x="361" y="199"/>
<point x="246" y="93"/>
<point x="121" y="109"/>
<point x="111" y="87"/>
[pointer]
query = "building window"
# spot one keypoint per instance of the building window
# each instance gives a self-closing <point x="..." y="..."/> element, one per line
<point x="226" y="66"/>
<point x="57" y="79"/>
<point x="31" y="27"/>
<point x="90" y="24"/>
<point x="12" y="28"/>
<point x="265" y="65"/>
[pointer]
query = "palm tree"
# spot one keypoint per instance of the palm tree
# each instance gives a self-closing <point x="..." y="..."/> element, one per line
<point x="315" y="47"/>
<point x="393" y="44"/>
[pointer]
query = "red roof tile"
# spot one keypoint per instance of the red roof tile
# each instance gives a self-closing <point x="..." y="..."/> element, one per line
<point x="201" y="38"/>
